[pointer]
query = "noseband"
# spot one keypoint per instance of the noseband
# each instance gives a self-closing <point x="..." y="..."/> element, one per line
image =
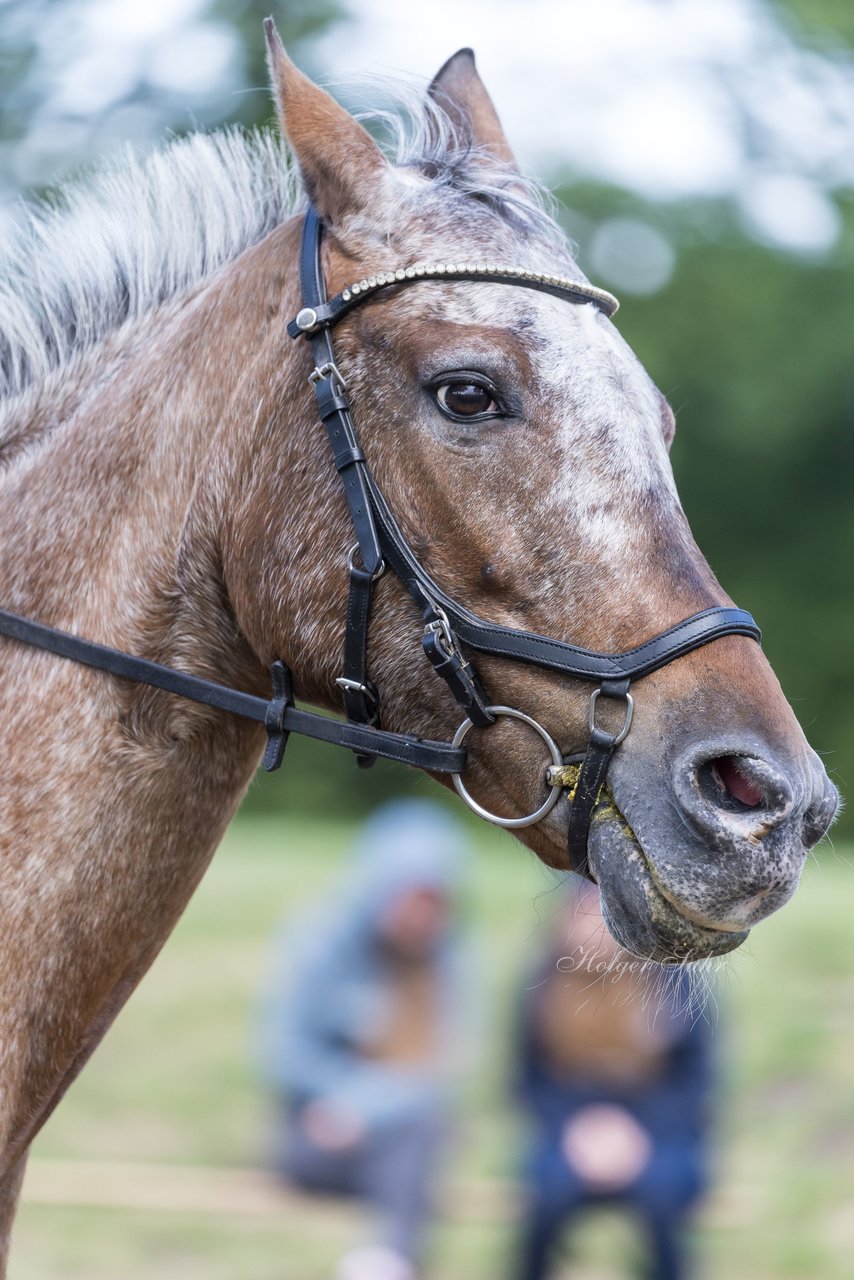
<point x="451" y="632"/>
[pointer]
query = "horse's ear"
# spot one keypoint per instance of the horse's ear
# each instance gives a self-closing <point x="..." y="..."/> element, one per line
<point x="458" y="89"/>
<point x="339" y="161"/>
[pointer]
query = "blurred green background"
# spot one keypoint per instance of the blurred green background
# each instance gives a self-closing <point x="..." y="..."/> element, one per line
<point x="738" y="298"/>
<point x="149" y="1166"/>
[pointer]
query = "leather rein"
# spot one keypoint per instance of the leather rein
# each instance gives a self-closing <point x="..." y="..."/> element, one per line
<point x="450" y="630"/>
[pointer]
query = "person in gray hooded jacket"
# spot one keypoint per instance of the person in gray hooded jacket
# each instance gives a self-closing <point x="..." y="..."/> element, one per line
<point x="362" y="1032"/>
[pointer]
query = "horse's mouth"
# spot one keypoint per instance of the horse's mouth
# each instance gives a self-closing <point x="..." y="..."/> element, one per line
<point x="639" y="913"/>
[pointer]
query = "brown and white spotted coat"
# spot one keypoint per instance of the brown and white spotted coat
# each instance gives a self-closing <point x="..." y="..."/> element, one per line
<point x="167" y="490"/>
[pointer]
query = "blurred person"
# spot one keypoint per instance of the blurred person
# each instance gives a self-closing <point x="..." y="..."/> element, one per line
<point x="615" y="1071"/>
<point x="363" y="1029"/>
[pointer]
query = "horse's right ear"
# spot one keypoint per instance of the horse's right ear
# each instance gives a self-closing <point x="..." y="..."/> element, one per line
<point x="340" y="164"/>
<point x="459" y="90"/>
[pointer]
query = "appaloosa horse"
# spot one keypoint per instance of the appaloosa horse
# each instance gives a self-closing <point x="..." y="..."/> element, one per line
<point x="167" y="491"/>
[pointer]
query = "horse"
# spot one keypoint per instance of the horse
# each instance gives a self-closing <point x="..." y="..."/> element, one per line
<point x="167" y="491"/>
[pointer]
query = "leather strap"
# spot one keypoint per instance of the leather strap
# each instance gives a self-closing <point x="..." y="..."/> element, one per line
<point x="332" y="403"/>
<point x="591" y="778"/>
<point x="555" y="655"/>
<point x="601" y="746"/>
<point x="334" y="409"/>
<point x="423" y="753"/>
<point x="327" y="314"/>
<point x="361" y="700"/>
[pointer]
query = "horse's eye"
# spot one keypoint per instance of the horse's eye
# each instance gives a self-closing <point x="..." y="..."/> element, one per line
<point x="465" y="399"/>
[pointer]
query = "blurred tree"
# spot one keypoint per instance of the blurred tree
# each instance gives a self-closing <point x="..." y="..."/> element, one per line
<point x="821" y="21"/>
<point x="80" y="77"/>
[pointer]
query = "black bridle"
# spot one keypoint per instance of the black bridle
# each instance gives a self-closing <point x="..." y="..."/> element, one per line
<point x="450" y="630"/>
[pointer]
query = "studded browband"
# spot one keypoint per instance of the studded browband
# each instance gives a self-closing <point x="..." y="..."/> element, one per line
<point x="327" y="314"/>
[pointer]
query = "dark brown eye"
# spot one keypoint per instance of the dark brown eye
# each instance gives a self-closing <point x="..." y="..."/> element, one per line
<point x="466" y="399"/>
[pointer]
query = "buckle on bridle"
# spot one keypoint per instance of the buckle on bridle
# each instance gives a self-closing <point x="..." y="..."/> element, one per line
<point x="629" y="713"/>
<point x="440" y="627"/>
<point x="356" y="686"/>
<point x="328" y="370"/>
<point x="352" y="567"/>
<point x="441" y="647"/>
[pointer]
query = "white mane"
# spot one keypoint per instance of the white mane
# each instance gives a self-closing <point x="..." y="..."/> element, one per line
<point x="138" y="232"/>
<point x="113" y="246"/>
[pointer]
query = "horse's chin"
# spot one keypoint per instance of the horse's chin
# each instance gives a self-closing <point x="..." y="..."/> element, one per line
<point x="638" y="914"/>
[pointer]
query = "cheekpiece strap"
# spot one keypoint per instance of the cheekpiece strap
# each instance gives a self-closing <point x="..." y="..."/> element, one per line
<point x="601" y="746"/>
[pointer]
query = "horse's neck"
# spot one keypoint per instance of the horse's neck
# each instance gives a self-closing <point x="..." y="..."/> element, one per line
<point x="112" y="527"/>
<point x="126" y="522"/>
<point x="115" y="488"/>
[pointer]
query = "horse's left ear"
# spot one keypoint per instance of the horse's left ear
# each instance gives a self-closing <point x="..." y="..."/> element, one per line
<point x="340" y="164"/>
<point x="459" y="90"/>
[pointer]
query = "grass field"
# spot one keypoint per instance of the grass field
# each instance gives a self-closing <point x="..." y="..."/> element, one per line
<point x="170" y="1102"/>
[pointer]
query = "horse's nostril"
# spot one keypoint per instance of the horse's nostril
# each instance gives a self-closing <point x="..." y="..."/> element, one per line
<point x="721" y="787"/>
<point x="715" y="784"/>
<point x="730" y="775"/>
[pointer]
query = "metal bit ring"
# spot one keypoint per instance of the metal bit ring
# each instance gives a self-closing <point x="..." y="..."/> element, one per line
<point x="556" y="759"/>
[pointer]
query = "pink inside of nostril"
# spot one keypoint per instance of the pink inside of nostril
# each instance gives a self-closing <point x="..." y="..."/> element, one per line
<point x="734" y="781"/>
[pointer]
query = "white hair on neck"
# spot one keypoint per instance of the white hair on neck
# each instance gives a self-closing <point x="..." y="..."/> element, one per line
<point x="137" y="232"/>
<point x="116" y="244"/>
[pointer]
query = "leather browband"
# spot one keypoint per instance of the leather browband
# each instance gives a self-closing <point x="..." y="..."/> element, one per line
<point x="323" y="315"/>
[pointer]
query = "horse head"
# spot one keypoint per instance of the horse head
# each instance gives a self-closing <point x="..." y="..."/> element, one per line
<point x="524" y="453"/>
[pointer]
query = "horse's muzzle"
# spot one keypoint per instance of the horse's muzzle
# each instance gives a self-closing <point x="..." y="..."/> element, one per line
<point x="710" y="846"/>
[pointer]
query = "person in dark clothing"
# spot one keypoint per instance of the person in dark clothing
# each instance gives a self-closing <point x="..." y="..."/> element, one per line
<point x="615" y="1071"/>
<point x="362" y="1032"/>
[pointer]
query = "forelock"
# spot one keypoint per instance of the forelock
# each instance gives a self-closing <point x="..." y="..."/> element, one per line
<point x="419" y="136"/>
